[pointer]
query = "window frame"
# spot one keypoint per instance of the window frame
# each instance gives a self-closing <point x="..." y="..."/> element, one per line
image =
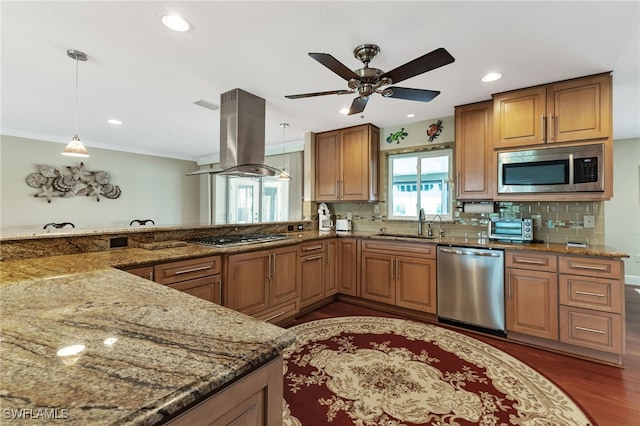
<point x="418" y="155"/>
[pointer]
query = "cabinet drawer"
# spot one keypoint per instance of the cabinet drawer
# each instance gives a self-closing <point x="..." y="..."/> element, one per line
<point x="590" y="266"/>
<point x="311" y="248"/>
<point x="531" y="260"/>
<point x="389" y="247"/>
<point x="591" y="293"/>
<point x="173" y="272"/>
<point x="280" y="312"/>
<point x="141" y="271"/>
<point x="207" y="288"/>
<point x="591" y="329"/>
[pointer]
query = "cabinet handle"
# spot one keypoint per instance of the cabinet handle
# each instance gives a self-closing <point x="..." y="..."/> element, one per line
<point x="311" y="248"/>
<point x="306" y="259"/>
<point x="458" y="184"/>
<point x="186" y="271"/>
<point x="151" y="275"/>
<point x="279" y="314"/>
<point x="589" y="267"/>
<point x="220" y="291"/>
<point x="509" y="285"/>
<point x="552" y="132"/>
<point x="531" y="262"/>
<point x="273" y="271"/>
<point x="587" y="293"/>
<point x="269" y="269"/>
<point x="543" y="128"/>
<point x="590" y="330"/>
<point x="328" y="253"/>
<point x="340" y="185"/>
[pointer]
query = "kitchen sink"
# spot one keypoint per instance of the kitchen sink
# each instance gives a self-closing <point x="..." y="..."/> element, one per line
<point x="413" y="236"/>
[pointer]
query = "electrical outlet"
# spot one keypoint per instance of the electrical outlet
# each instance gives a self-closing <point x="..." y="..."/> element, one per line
<point x="376" y="208"/>
<point x="589" y="221"/>
<point x="349" y="216"/>
<point x="537" y="220"/>
<point x="637" y="258"/>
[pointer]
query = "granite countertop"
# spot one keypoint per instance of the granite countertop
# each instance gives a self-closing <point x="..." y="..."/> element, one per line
<point x="148" y="351"/>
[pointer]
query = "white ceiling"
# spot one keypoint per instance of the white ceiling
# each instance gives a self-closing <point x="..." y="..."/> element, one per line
<point x="148" y="76"/>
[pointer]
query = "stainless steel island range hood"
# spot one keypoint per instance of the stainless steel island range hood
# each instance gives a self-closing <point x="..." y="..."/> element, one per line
<point x="242" y="137"/>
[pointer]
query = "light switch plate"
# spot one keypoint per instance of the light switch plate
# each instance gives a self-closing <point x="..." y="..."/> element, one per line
<point x="537" y="220"/>
<point x="589" y="221"/>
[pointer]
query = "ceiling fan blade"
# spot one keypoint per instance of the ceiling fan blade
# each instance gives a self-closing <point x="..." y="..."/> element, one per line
<point x="412" y="94"/>
<point x="331" y="92"/>
<point x="334" y="65"/>
<point x="428" y="62"/>
<point x="358" y="105"/>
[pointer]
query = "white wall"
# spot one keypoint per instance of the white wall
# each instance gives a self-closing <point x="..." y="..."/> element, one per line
<point x="152" y="188"/>
<point x="622" y="212"/>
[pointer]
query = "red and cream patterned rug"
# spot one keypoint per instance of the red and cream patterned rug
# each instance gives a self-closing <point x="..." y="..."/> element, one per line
<point x="369" y="371"/>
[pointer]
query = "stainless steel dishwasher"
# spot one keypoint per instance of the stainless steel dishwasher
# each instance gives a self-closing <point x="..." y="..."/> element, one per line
<point x="471" y="288"/>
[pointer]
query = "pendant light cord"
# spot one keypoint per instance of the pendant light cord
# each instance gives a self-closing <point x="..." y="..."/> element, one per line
<point x="76" y="96"/>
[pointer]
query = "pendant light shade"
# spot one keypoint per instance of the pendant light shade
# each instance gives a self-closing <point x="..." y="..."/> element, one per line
<point x="283" y="174"/>
<point x="75" y="148"/>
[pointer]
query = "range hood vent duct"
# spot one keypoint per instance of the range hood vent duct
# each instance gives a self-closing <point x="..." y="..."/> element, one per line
<point x="242" y="137"/>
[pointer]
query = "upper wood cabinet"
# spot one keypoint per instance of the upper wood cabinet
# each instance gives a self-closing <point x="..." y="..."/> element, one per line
<point x="475" y="165"/>
<point x="566" y="111"/>
<point x="346" y="164"/>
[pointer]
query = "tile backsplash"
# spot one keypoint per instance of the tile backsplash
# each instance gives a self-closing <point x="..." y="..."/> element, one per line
<point x="555" y="222"/>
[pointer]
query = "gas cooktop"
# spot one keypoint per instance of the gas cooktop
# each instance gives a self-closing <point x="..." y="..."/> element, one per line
<point x="238" y="239"/>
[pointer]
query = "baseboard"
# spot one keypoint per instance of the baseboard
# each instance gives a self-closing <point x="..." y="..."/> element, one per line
<point x="632" y="280"/>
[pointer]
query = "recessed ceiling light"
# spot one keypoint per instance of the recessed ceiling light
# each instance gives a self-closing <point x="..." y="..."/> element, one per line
<point x="492" y="76"/>
<point x="411" y="115"/>
<point x="114" y="121"/>
<point x="344" y="111"/>
<point x="175" y="22"/>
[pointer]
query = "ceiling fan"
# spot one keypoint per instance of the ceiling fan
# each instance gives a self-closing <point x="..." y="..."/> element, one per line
<point x="367" y="81"/>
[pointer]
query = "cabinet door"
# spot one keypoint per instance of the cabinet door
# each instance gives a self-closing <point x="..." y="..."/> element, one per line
<point x="247" y="286"/>
<point x="416" y="283"/>
<point x="378" y="277"/>
<point x="327" y="165"/>
<point x="532" y="303"/>
<point x="354" y="180"/>
<point x="579" y="109"/>
<point x="348" y="274"/>
<point x="207" y="288"/>
<point x="141" y="271"/>
<point x="519" y="118"/>
<point x="331" y="271"/>
<point x="475" y="177"/>
<point x="312" y="277"/>
<point x="285" y="284"/>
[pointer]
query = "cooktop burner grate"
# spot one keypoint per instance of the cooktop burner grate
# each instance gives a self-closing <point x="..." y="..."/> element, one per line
<point x="238" y="239"/>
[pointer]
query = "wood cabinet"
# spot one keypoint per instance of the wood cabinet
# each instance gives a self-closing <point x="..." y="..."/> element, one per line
<point x="255" y="400"/>
<point x="567" y="111"/>
<point x="475" y="165"/>
<point x="592" y="303"/>
<point x="346" y="164"/>
<point x="348" y="266"/>
<point x="400" y="274"/>
<point x="313" y="271"/>
<point x="331" y="268"/>
<point x="198" y="277"/>
<point x="532" y="294"/>
<point x="264" y="284"/>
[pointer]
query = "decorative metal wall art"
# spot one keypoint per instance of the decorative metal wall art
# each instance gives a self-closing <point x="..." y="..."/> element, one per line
<point x="71" y="182"/>
<point x="434" y="130"/>
<point x="397" y="136"/>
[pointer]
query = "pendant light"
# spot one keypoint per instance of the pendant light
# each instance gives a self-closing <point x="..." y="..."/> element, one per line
<point x="283" y="174"/>
<point x="75" y="148"/>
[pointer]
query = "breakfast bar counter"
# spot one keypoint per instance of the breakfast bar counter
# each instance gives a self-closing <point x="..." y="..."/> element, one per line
<point x="106" y="347"/>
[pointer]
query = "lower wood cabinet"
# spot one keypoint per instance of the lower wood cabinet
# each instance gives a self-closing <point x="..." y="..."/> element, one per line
<point x="348" y="266"/>
<point x="317" y="271"/>
<point x="531" y="294"/>
<point x="198" y="277"/>
<point x="263" y="284"/>
<point x="254" y="400"/>
<point x="400" y="274"/>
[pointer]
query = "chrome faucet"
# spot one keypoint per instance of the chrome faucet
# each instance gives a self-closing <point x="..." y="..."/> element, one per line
<point x="440" y="230"/>
<point x="420" y="221"/>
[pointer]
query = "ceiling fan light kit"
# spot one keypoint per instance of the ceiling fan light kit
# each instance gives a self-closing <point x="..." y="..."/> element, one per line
<point x="366" y="81"/>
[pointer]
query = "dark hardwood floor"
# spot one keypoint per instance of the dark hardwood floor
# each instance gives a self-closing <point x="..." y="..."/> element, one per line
<point x="611" y="395"/>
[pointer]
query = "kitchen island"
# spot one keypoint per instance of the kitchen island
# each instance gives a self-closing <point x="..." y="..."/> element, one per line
<point x="105" y="347"/>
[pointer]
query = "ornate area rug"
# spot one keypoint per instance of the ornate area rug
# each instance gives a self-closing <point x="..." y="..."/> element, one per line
<point x="381" y="371"/>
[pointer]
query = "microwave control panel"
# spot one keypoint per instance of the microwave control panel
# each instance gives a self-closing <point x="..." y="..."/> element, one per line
<point x="585" y="170"/>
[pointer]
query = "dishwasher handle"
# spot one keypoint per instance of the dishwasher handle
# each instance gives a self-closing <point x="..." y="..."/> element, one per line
<point x="469" y="252"/>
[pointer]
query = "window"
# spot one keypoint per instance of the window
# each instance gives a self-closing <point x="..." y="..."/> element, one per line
<point x="419" y="180"/>
<point x="257" y="200"/>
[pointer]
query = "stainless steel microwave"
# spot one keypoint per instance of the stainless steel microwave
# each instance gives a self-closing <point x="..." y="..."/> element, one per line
<point x="567" y="169"/>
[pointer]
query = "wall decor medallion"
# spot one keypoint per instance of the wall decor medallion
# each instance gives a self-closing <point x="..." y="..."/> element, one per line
<point x="72" y="181"/>
<point x="434" y="130"/>
<point x="397" y="136"/>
